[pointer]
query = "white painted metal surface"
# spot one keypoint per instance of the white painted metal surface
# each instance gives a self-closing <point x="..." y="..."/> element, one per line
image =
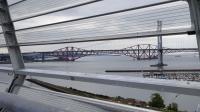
<point x="14" y="103"/>
<point x="76" y="103"/>
<point x="181" y="87"/>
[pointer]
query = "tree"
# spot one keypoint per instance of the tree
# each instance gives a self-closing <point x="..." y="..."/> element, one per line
<point x="157" y="101"/>
<point x="173" y="107"/>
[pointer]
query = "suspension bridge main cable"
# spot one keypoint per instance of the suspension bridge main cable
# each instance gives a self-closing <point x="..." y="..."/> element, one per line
<point x="138" y="15"/>
<point x="51" y="11"/>
<point x="99" y="15"/>
<point x="141" y="21"/>
<point x="94" y="16"/>
<point x="141" y="18"/>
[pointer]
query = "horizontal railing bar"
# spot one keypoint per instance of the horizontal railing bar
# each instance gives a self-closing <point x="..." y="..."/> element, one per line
<point x="1" y="82"/>
<point x="100" y="103"/>
<point x="111" y="37"/>
<point x="114" y="50"/>
<point x="17" y="3"/>
<point x="114" y="37"/>
<point x="127" y="81"/>
<point x="181" y="87"/>
<point x="6" y="69"/>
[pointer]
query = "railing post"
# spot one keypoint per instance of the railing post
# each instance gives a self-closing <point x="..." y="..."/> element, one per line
<point x="194" y="6"/>
<point x="13" y="47"/>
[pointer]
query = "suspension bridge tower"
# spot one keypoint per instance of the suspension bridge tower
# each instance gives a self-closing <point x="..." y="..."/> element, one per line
<point x="160" y="63"/>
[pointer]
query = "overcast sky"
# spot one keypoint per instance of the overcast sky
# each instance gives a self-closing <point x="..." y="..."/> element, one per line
<point x="25" y="9"/>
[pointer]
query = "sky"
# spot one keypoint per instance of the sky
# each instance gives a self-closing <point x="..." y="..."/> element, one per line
<point x="175" y="14"/>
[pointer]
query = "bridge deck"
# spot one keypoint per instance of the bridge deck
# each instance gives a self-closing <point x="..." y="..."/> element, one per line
<point x="156" y="70"/>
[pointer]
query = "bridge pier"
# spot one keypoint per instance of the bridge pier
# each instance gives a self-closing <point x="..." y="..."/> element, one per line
<point x="194" y="6"/>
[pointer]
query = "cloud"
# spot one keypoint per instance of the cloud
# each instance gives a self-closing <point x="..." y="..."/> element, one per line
<point x="132" y="21"/>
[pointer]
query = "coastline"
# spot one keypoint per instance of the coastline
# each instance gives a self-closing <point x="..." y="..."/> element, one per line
<point x="70" y="90"/>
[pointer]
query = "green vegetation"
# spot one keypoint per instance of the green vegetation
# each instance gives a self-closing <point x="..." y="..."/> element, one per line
<point x="118" y="99"/>
<point x="157" y="101"/>
<point x="171" y="108"/>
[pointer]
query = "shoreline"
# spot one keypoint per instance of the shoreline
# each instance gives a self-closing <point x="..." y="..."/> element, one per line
<point x="70" y="90"/>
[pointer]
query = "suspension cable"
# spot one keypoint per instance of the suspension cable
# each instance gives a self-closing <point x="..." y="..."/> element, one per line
<point x="55" y="10"/>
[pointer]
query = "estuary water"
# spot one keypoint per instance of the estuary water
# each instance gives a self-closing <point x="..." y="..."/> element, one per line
<point x="98" y="65"/>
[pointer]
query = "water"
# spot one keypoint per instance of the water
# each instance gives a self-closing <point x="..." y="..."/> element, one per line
<point x="99" y="64"/>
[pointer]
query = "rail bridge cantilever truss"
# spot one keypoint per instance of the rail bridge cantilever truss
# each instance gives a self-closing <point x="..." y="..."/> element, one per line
<point x="14" y="38"/>
<point x="139" y="52"/>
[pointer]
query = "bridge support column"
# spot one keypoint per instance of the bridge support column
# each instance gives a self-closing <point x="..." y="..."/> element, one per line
<point x="13" y="47"/>
<point x="160" y="47"/>
<point x="195" y="18"/>
<point x="160" y="51"/>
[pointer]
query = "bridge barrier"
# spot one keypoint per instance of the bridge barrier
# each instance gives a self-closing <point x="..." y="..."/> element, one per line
<point x="27" y="37"/>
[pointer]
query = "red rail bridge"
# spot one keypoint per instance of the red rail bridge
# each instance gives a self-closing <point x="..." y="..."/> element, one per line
<point x="139" y="52"/>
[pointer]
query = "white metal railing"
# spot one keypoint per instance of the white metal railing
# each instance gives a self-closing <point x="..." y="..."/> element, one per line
<point x="14" y="103"/>
<point x="60" y="100"/>
<point x="181" y="87"/>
